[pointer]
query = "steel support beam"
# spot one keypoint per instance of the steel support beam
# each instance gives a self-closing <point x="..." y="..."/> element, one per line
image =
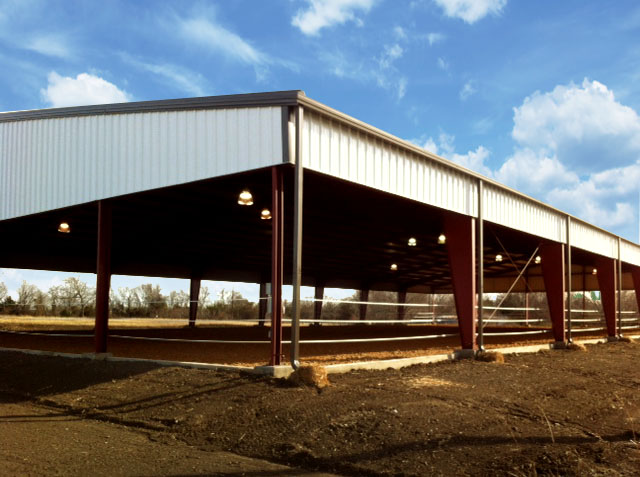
<point x="480" y="264"/>
<point x="317" y="305"/>
<point x="553" y="267"/>
<point x="619" y="281"/>
<point x="298" y="192"/>
<point x="461" y="243"/>
<point x="277" y="252"/>
<point x="194" y="295"/>
<point x="401" y="309"/>
<point x="103" y="278"/>
<point x="262" y="304"/>
<point x="362" y="308"/>
<point x="607" y="284"/>
<point x="569" y="280"/>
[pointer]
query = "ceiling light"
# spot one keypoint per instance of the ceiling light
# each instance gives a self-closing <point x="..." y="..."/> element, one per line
<point x="393" y="267"/>
<point x="412" y="242"/>
<point x="245" y="198"/>
<point x="594" y="271"/>
<point x="442" y="239"/>
<point x="538" y="259"/>
<point x="265" y="214"/>
<point x="498" y="258"/>
<point x="64" y="228"/>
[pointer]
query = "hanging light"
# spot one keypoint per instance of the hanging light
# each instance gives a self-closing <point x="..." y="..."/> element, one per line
<point x="498" y="258"/>
<point x="594" y="271"/>
<point x="394" y="267"/>
<point x="538" y="259"/>
<point x="64" y="228"/>
<point x="265" y="214"/>
<point x="442" y="239"/>
<point x="412" y="242"/>
<point x="245" y="198"/>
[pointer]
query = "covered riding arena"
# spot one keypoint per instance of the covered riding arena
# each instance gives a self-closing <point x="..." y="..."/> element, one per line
<point x="274" y="189"/>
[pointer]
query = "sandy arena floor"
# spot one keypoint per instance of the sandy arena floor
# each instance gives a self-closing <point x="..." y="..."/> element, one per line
<point x="250" y="354"/>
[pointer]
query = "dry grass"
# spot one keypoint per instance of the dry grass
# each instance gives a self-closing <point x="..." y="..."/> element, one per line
<point x="490" y="357"/>
<point x="310" y="376"/>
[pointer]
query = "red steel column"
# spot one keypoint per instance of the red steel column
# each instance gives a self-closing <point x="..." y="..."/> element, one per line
<point x="364" y="297"/>
<point x="401" y="309"/>
<point x="553" y="268"/>
<point x="277" y="252"/>
<point x="635" y="274"/>
<point x="194" y="295"/>
<point x="461" y="243"/>
<point x="103" y="279"/>
<point x="607" y="284"/>
<point x="317" y="305"/>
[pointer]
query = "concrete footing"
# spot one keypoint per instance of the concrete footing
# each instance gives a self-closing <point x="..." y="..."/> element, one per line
<point x="612" y="339"/>
<point x="464" y="354"/>
<point x="558" y="345"/>
<point x="281" y="371"/>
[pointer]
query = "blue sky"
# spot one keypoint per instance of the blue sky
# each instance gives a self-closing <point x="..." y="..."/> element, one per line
<point x="542" y="96"/>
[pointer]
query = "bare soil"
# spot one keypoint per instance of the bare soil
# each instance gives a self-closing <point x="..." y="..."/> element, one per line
<point x="555" y="412"/>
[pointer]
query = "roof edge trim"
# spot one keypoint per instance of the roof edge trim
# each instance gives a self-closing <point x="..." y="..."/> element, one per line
<point x="276" y="98"/>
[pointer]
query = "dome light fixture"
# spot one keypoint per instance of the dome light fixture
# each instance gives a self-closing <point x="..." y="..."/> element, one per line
<point x="538" y="259"/>
<point x="442" y="239"/>
<point x="265" y="214"/>
<point x="498" y="258"/>
<point x="64" y="228"/>
<point x="245" y="198"/>
<point x="594" y="271"/>
<point x="394" y="267"/>
<point x="412" y="242"/>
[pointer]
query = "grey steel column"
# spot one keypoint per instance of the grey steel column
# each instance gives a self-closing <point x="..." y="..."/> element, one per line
<point x="619" y="288"/>
<point x="569" y="276"/>
<point x="480" y="265"/>
<point x="103" y="276"/>
<point x="297" y="243"/>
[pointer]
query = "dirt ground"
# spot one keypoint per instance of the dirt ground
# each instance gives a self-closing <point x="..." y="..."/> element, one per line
<point x="550" y="413"/>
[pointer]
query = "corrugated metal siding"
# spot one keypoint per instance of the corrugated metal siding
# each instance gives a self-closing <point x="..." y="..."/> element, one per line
<point x="340" y="151"/>
<point x="591" y="239"/>
<point x="630" y="252"/>
<point x="46" y="164"/>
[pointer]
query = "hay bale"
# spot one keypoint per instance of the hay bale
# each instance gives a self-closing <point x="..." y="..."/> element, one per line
<point x="490" y="357"/>
<point x="574" y="346"/>
<point x="310" y="375"/>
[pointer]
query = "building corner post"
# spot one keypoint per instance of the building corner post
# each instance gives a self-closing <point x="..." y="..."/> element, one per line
<point x="297" y="239"/>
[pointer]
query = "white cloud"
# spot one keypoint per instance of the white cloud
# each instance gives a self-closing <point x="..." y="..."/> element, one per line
<point x="49" y="45"/>
<point x="325" y="13"/>
<point x="471" y="10"/>
<point x="390" y="54"/>
<point x="215" y="37"/>
<point x="443" y="64"/>
<point x="177" y="76"/>
<point x="434" y="38"/>
<point x="400" y="33"/>
<point x="467" y="90"/>
<point x="578" y="149"/>
<point x="584" y="125"/>
<point x="82" y="90"/>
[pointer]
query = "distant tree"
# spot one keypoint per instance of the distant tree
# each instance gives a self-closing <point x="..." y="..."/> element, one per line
<point x="3" y="292"/>
<point x="152" y="298"/>
<point x="78" y="293"/>
<point x="129" y="300"/>
<point x="27" y="295"/>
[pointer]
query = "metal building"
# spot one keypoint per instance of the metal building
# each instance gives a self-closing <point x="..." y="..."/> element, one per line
<point x="152" y="188"/>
